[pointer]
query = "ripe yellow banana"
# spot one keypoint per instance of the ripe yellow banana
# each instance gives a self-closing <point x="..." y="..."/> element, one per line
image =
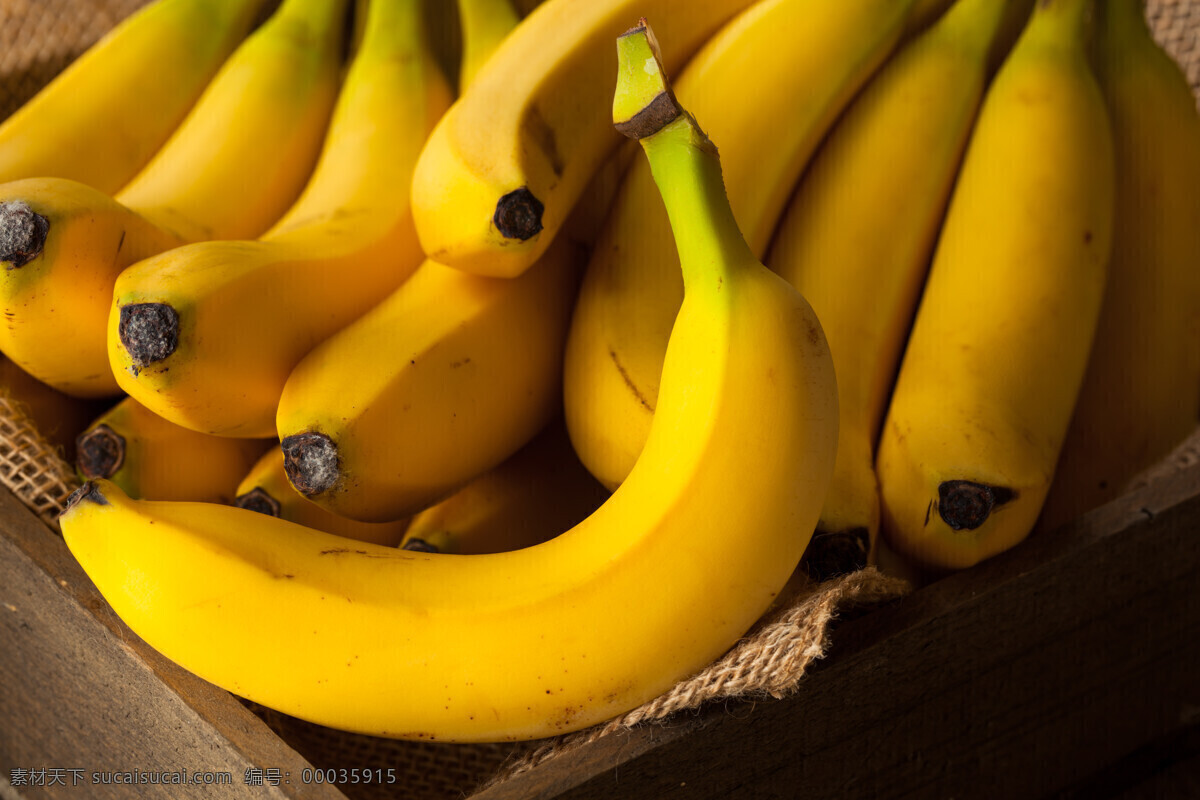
<point x="809" y="57"/>
<point x="536" y="494"/>
<point x="103" y="117"/>
<point x="1141" y="393"/>
<point x="998" y="349"/>
<point x="485" y="24"/>
<point x="664" y="577"/>
<point x="444" y="379"/>
<point x="504" y="167"/>
<point x="857" y="235"/>
<point x="206" y="334"/>
<point x="229" y="171"/>
<point x="153" y="459"/>
<point x="266" y="489"/>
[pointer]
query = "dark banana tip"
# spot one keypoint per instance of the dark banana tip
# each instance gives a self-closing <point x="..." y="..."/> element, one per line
<point x="518" y="215"/>
<point x="22" y="233"/>
<point x="149" y="332"/>
<point x="965" y="505"/>
<point x="834" y="553"/>
<point x="100" y="452"/>
<point x="419" y="546"/>
<point x="88" y="492"/>
<point x="311" y="462"/>
<point x="258" y="500"/>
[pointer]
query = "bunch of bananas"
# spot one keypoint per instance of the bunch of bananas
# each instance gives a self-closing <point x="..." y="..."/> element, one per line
<point x="444" y="413"/>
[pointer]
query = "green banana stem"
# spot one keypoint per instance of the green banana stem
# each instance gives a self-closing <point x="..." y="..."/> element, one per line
<point x="1119" y="24"/>
<point x="393" y="29"/>
<point x="972" y="23"/>
<point x="1056" y="21"/>
<point x="683" y="161"/>
<point x="311" y="15"/>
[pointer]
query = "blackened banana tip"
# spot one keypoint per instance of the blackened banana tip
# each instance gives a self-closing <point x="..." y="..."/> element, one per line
<point x="519" y="215"/>
<point x="965" y="505"/>
<point x="311" y="462"/>
<point x="257" y="499"/>
<point x="22" y="233"/>
<point x="149" y="332"/>
<point x="100" y="452"/>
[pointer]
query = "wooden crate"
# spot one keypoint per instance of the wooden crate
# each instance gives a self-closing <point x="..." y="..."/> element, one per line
<point x="1055" y="669"/>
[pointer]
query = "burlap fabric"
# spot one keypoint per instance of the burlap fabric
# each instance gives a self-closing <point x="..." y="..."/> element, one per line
<point x="40" y="37"/>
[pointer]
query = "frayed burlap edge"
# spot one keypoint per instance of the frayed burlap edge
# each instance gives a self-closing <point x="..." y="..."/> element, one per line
<point x="769" y="662"/>
<point x="30" y="467"/>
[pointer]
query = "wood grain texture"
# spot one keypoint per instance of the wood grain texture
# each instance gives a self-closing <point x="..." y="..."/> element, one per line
<point x="1019" y="678"/>
<point x="82" y="691"/>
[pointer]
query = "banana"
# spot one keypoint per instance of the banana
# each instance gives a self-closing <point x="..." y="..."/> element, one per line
<point x="857" y="235"/>
<point x="550" y="638"/>
<point x="811" y="57"/>
<point x="444" y="379"/>
<point x="536" y="494"/>
<point x="266" y="489"/>
<point x="63" y="244"/>
<point x="1141" y="392"/>
<point x="998" y="348"/>
<point x="58" y="417"/>
<point x="153" y="459"/>
<point x="206" y="334"/>
<point x="101" y="119"/>
<point x="232" y="167"/>
<point x="504" y="167"/>
<point x="485" y="25"/>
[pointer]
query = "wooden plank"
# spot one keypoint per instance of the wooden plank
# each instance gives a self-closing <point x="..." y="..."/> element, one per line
<point x="83" y="692"/>
<point x="1018" y="678"/>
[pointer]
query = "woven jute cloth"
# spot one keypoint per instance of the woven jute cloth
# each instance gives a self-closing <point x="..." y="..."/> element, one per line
<point x="40" y="37"/>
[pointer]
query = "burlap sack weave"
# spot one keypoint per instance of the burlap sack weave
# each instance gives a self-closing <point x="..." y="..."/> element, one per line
<point x="40" y="37"/>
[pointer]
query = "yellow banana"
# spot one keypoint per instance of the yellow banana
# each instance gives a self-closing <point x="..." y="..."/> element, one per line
<point x="504" y="167"/>
<point x="63" y="244"/>
<point x="536" y="494"/>
<point x="810" y="57"/>
<point x="266" y="489"/>
<point x="485" y="25"/>
<point x="102" y="118"/>
<point x="444" y="379"/>
<point x="857" y="235"/>
<point x="229" y="171"/>
<point x="998" y="349"/>
<point x="153" y="459"/>
<point x="1141" y="393"/>
<point x="58" y="417"/>
<point x="550" y="638"/>
<point x="206" y="334"/>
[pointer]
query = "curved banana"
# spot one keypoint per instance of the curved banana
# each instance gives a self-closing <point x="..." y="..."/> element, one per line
<point x="547" y="639"/>
<point x="485" y="25"/>
<point x="444" y="379"/>
<point x="58" y="417"/>
<point x="206" y="334"/>
<point x="1141" y="393"/>
<point x="809" y="57"/>
<point x="265" y="489"/>
<point x="103" y="117"/>
<point x="504" y="167"/>
<point x="857" y="235"/>
<point x="536" y="494"/>
<point x="998" y="349"/>
<point x="153" y="459"/>
<point x="230" y="169"/>
<point x="62" y="244"/>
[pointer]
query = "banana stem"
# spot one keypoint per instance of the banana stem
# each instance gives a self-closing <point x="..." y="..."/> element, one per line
<point x="683" y="161"/>
<point x="1057" y="21"/>
<point x="393" y="29"/>
<point x="313" y="15"/>
<point x="485" y="24"/>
